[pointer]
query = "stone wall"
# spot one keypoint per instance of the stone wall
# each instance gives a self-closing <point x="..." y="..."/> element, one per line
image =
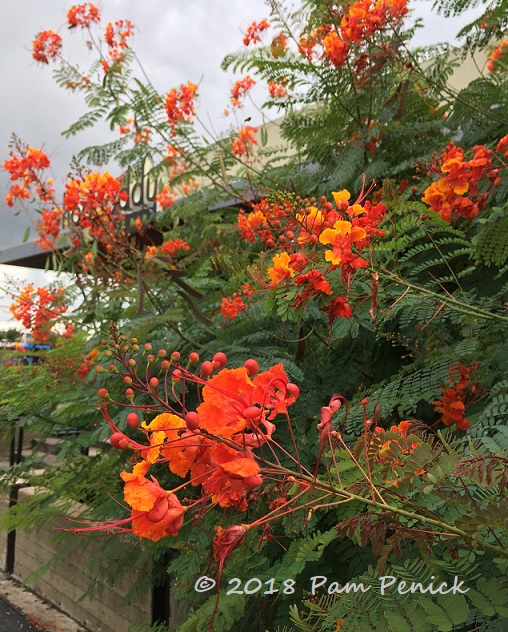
<point x="65" y="584"/>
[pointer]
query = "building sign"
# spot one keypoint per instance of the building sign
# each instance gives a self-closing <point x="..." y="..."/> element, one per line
<point x="141" y="189"/>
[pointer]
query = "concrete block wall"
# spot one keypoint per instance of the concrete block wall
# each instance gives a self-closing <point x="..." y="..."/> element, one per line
<point x="65" y="584"/>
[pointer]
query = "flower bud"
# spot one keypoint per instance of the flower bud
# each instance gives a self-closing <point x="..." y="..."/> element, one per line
<point x="220" y="358"/>
<point x="119" y="440"/>
<point x="175" y="356"/>
<point x="165" y="364"/>
<point x="129" y="394"/>
<point x="206" y="368"/>
<point x="150" y="357"/>
<point x="147" y="346"/>
<point x="103" y="393"/>
<point x="133" y="421"/>
<point x="99" y="369"/>
<point x="127" y="380"/>
<point x="177" y="376"/>
<point x="135" y="347"/>
<point x="193" y="357"/>
<point x="192" y="421"/>
<point x="154" y="383"/>
<point x="162" y="353"/>
<point x="134" y="341"/>
<point x="251" y="366"/>
<point x="252" y="412"/>
<point x="293" y="389"/>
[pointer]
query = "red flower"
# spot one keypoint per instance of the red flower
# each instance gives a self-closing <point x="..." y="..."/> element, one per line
<point x="173" y="247"/>
<point x="179" y="105"/>
<point x="245" y="139"/>
<point x="240" y="89"/>
<point x="231" y="307"/>
<point x="83" y="15"/>
<point x="46" y="46"/>
<point x="315" y="283"/>
<point x="251" y="36"/>
<point x="338" y="308"/>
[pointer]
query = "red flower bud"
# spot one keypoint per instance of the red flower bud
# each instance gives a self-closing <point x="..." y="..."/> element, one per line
<point x="193" y="357"/>
<point x="175" y="356"/>
<point x="192" y="421"/>
<point x="206" y="368"/>
<point x="103" y="393"/>
<point x="251" y="366"/>
<point x="252" y="412"/>
<point x="162" y="353"/>
<point x="220" y="358"/>
<point x="127" y="380"/>
<point x="131" y="362"/>
<point x="119" y="440"/>
<point x="99" y="369"/>
<point x="293" y="389"/>
<point x="133" y="421"/>
<point x="150" y="357"/>
<point x="129" y="393"/>
<point x="147" y="346"/>
<point x="165" y="364"/>
<point x="154" y="383"/>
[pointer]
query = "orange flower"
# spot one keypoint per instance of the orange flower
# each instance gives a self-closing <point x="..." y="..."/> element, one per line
<point x="156" y="513"/>
<point x="245" y="139"/>
<point x="240" y="89"/>
<point x="341" y="237"/>
<point x="231" y="307"/>
<point x="281" y="269"/>
<point x="492" y="63"/>
<point x="173" y="247"/>
<point x="451" y="403"/>
<point x="225" y="397"/>
<point x="46" y="46"/>
<point x="277" y="89"/>
<point x="235" y="473"/>
<point x="251" y="36"/>
<point x="83" y="15"/>
<point x="335" y="49"/>
<point x="166" y="198"/>
<point x="179" y="105"/>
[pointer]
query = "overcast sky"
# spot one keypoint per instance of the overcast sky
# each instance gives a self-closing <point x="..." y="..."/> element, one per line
<point x="176" y="40"/>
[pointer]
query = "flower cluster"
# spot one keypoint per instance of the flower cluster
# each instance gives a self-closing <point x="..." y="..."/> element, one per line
<point x="360" y="21"/>
<point x="452" y="405"/>
<point x="47" y="45"/>
<point x="213" y="447"/>
<point x="116" y="36"/>
<point x="26" y="169"/>
<point x="240" y="89"/>
<point x="171" y="248"/>
<point x="166" y="197"/>
<point x="277" y="89"/>
<point x="180" y="104"/>
<point x="298" y="230"/>
<point x="39" y="309"/>
<point x="252" y="34"/>
<point x="92" y="202"/>
<point x="497" y="56"/>
<point x="246" y="138"/>
<point x="83" y="15"/>
<point x="457" y="192"/>
<point x="234" y="305"/>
